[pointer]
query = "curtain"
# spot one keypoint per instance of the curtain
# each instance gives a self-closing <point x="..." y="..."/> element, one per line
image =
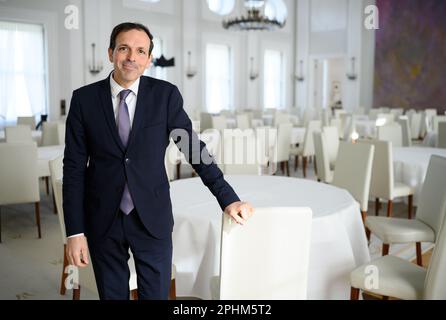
<point x="23" y="89"/>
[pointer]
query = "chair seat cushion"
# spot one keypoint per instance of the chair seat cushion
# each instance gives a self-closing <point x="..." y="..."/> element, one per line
<point x="393" y="230"/>
<point x="402" y="190"/>
<point x="396" y="277"/>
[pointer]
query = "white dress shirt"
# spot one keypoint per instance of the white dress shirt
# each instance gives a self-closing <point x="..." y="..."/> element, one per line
<point x="131" y="104"/>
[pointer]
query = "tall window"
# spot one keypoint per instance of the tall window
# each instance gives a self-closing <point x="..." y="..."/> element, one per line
<point x="219" y="79"/>
<point x="158" y="50"/>
<point x="274" y="80"/>
<point x="23" y="76"/>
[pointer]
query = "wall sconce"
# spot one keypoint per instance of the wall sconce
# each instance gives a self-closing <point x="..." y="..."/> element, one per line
<point x="252" y="74"/>
<point x="95" y="68"/>
<point x="190" y="71"/>
<point x="352" y="75"/>
<point x="300" y="76"/>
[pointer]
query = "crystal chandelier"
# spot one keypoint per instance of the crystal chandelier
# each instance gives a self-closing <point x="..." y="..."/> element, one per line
<point x="255" y="19"/>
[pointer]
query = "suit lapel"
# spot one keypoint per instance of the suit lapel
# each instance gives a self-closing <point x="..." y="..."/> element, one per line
<point x="107" y="107"/>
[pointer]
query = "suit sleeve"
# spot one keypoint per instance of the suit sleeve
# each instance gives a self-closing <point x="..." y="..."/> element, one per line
<point x="75" y="164"/>
<point x="195" y="151"/>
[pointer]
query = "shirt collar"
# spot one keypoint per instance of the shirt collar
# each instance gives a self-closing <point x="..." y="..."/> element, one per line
<point x="116" y="88"/>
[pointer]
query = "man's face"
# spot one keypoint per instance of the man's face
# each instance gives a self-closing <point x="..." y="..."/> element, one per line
<point x="130" y="56"/>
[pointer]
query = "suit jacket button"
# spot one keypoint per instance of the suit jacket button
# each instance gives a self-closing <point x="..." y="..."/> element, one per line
<point x="127" y="160"/>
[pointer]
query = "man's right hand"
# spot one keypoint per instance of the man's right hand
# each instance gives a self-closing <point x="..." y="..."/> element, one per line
<point x="77" y="251"/>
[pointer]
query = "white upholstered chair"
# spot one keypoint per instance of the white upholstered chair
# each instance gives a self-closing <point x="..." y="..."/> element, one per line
<point x="332" y="138"/>
<point x="283" y="148"/>
<point x="383" y="185"/>
<point x="18" y="176"/>
<point x="430" y="214"/>
<point x="441" y="142"/>
<point x="266" y="259"/>
<point x="399" y="278"/>
<point x="20" y="133"/>
<point x="405" y="130"/>
<point x="306" y="149"/>
<point x="324" y="173"/>
<point x="27" y="121"/>
<point x="353" y="172"/>
<point x="391" y="133"/>
<point x="53" y="134"/>
<point x="219" y="123"/>
<point x="415" y="125"/>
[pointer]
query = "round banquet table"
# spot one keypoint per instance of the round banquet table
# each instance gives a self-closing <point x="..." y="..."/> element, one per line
<point x="410" y="166"/>
<point x="338" y="243"/>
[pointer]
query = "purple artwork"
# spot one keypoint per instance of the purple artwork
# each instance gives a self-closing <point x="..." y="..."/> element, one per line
<point x="410" y="58"/>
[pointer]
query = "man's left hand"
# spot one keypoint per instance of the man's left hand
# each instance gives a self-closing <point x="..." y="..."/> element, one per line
<point x="240" y="211"/>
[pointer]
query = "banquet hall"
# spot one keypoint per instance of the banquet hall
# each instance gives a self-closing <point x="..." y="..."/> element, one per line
<point x="327" y="116"/>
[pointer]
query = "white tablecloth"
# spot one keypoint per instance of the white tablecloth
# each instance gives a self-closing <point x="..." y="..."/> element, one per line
<point x="410" y="165"/>
<point x="338" y="239"/>
<point x="45" y="155"/>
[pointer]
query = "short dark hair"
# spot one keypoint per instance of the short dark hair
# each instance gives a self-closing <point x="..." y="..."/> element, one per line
<point x="127" y="26"/>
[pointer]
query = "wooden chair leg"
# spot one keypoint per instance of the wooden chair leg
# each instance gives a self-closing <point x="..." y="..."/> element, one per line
<point x="54" y="204"/>
<point x="385" y="297"/>
<point x="77" y="293"/>
<point x="419" y="255"/>
<point x="296" y="163"/>
<point x="315" y="166"/>
<point x="134" y="294"/>
<point x="282" y="167"/>
<point x="304" y="160"/>
<point x="368" y="233"/>
<point x="47" y="186"/>
<point x="173" y="290"/>
<point x="363" y="216"/>
<point x="389" y="208"/>
<point x="37" y="209"/>
<point x="410" y="206"/>
<point x="64" y="275"/>
<point x="354" y="294"/>
<point x="287" y="166"/>
<point x="377" y="205"/>
<point x="386" y="248"/>
<point x="179" y="171"/>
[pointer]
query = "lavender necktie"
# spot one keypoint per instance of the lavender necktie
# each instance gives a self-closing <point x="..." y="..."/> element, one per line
<point x="126" y="205"/>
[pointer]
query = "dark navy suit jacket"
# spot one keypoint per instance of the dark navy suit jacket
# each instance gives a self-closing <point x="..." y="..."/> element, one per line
<point x="97" y="165"/>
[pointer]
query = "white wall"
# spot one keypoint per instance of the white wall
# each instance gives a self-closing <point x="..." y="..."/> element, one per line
<point x="314" y="28"/>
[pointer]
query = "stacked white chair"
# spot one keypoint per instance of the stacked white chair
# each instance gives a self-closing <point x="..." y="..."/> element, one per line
<point x="266" y="259"/>
<point x="18" y="176"/>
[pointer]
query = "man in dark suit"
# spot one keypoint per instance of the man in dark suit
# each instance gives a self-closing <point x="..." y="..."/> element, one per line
<point x="115" y="187"/>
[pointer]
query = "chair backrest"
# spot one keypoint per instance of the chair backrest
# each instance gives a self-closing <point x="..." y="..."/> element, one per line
<point x="436" y="121"/>
<point x="219" y="122"/>
<point x="415" y="125"/>
<point x="268" y="258"/>
<point x="53" y="134"/>
<point x="405" y="130"/>
<point x="243" y="121"/>
<point x="432" y="201"/>
<point x="353" y="170"/>
<point x="18" y="134"/>
<point x="332" y="138"/>
<point x="322" y="162"/>
<point x="240" y="153"/>
<point x="335" y="122"/>
<point x="392" y="133"/>
<point x="388" y="117"/>
<point x="18" y="173"/>
<point x="381" y="184"/>
<point x="434" y="285"/>
<point x="205" y="121"/>
<point x="441" y="142"/>
<point x="283" y="143"/>
<point x="27" y="121"/>
<point x="397" y="112"/>
<point x="308" y="145"/>
<point x="373" y="113"/>
<point x="56" y="170"/>
<point x="281" y="118"/>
